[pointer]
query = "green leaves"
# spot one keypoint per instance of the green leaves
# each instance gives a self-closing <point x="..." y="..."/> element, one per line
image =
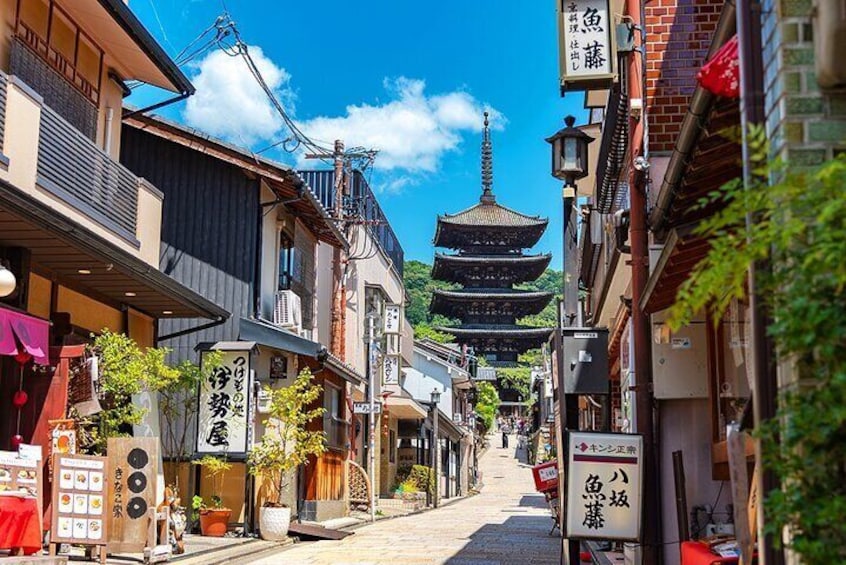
<point x="287" y="442"/>
<point x="487" y="403"/>
<point x="798" y="227"/>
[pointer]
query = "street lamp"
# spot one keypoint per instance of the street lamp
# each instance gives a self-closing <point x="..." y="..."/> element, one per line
<point x="569" y="153"/>
<point x="435" y="396"/>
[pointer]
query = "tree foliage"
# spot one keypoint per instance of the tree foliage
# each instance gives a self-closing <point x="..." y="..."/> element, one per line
<point x="800" y="228"/>
<point x="487" y="404"/>
<point x="287" y="442"/>
<point x="125" y="369"/>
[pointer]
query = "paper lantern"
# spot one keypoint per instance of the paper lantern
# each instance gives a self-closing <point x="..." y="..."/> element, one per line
<point x="17" y="440"/>
<point x="23" y="357"/>
<point x="19" y="399"/>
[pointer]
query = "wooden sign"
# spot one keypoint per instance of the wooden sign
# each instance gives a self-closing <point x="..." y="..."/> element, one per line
<point x="132" y="492"/>
<point x="79" y="501"/>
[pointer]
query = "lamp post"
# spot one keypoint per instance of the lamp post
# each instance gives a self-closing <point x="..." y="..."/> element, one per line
<point x="435" y="397"/>
<point x="569" y="163"/>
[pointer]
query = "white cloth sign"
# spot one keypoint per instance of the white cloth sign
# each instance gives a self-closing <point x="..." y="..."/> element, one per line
<point x="604" y="486"/>
<point x="393" y="319"/>
<point x="390" y="370"/>
<point x="222" y="422"/>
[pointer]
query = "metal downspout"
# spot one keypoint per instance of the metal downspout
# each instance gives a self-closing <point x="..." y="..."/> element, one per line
<point x="692" y="125"/>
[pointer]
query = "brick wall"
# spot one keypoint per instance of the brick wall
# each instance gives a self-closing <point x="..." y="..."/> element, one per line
<point x="678" y="35"/>
<point x="805" y="126"/>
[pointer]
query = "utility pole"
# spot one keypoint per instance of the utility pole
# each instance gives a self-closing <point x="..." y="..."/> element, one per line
<point x="436" y="457"/>
<point x="338" y="299"/>
<point x="371" y="397"/>
<point x="639" y="234"/>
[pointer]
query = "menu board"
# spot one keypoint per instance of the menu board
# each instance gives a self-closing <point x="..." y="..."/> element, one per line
<point x="19" y="477"/>
<point x="79" y="499"/>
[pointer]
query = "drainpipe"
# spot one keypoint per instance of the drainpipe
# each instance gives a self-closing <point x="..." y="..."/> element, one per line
<point x="764" y="394"/>
<point x="107" y="135"/>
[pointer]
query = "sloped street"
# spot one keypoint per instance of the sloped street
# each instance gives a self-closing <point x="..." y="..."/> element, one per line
<point x="506" y="523"/>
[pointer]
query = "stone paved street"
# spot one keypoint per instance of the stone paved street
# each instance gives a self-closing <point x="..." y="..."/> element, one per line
<point x="508" y="523"/>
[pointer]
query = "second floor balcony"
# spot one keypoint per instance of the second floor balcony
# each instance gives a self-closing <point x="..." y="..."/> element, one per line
<point x="48" y="158"/>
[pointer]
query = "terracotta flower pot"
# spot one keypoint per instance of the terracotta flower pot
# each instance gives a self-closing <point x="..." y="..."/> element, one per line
<point x="214" y="521"/>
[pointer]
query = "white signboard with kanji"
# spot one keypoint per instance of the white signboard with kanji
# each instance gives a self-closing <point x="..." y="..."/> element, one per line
<point x="391" y="370"/>
<point x="585" y="36"/>
<point x="393" y="319"/>
<point x="604" y="486"/>
<point x="222" y="422"/>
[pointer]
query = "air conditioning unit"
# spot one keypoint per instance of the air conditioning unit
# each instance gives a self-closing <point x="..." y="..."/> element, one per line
<point x="287" y="311"/>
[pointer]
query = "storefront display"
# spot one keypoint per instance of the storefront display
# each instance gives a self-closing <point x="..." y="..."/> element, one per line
<point x="20" y="516"/>
<point x="79" y="501"/>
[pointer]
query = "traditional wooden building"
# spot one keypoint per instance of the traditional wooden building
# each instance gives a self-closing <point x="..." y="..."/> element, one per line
<point x="489" y="239"/>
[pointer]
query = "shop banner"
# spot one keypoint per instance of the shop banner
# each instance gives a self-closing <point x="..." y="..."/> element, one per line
<point x="604" y="478"/>
<point x="223" y="417"/>
<point x="586" y="44"/>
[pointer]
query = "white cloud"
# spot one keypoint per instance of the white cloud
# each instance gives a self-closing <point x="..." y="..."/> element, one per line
<point x="230" y="104"/>
<point x="412" y="131"/>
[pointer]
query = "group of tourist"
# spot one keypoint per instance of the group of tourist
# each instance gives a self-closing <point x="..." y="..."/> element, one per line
<point x="510" y="425"/>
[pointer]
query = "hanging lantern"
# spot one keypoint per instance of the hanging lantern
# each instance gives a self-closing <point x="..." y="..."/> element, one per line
<point x="19" y="399"/>
<point x="570" y="152"/>
<point x="22" y="357"/>
<point x="17" y="440"/>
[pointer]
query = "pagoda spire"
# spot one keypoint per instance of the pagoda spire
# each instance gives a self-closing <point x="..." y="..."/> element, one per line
<point x="487" y="165"/>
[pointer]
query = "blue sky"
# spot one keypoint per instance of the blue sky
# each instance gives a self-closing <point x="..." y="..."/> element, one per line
<point x="409" y="78"/>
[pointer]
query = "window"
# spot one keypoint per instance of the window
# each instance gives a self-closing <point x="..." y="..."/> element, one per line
<point x="334" y="425"/>
<point x="286" y="261"/>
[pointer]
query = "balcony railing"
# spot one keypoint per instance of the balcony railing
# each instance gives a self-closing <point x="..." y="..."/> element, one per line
<point x="58" y="62"/>
<point x="3" y="80"/>
<point x="76" y="170"/>
<point x="360" y="205"/>
<point x="55" y="87"/>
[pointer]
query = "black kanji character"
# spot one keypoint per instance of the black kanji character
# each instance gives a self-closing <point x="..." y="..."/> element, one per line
<point x="619" y="499"/>
<point x="218" y="435"/>
<point x="591" y="20"/>
<point x="593" y="55"/>
<point x="219" y="404"/>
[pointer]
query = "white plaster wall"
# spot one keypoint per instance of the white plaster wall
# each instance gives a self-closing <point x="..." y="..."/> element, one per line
<point x="426" y="374"/>
<point x="269" y="254"/>
<point x="323" y="294"/>
<point x="685" y="425"/>
<point x="374" y="271"/>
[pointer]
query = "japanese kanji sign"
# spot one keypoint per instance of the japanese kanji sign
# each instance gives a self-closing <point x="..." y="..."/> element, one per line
<point x="390" y="370"/>
<point x="585" y="41"/>
<point x="222" y="422"/>
<point x="604" y="486"/>
<point x="393" y="319"/>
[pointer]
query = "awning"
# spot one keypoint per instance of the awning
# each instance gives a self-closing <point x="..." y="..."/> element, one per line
<point x="32" y="334"/>
<point x="682" y="252"/>
<point x="60" y="248"/>
<point x="265" y="333"/>
<point x="405" y="408"/>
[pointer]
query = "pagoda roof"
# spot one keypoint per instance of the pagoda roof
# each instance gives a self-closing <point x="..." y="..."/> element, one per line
<point x="488" y="301"/>
<point x="488" y="224"/>
<point x="508" y="268"/>
<point x="499" y="338"/>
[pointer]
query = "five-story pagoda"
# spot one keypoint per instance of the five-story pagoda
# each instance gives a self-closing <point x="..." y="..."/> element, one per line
<point x="489" y="240"/>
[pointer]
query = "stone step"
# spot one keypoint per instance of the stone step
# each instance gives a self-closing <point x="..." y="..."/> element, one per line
<point x="228" y="554"/>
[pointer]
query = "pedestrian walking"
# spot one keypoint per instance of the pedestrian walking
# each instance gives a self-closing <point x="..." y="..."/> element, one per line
<point x="505" y="431"/>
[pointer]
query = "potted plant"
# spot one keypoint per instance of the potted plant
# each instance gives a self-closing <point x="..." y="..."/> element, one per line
<point x="285" y="445"/>
<point x="214" y="520"/>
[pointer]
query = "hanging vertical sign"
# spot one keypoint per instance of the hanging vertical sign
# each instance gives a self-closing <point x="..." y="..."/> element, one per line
<point x="604" y="486"/>
<point x="391" y="361"/>
<point x="393" y="319"/>
<point x="390" y="370"/>
<point x="222" y="421"/>
<point x="585" y="41"/>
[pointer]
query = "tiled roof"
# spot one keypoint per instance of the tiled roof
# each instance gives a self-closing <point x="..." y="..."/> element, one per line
<point x="488" y="213"/>
<point x="493" y="294"/>
<point x="503" y="259"/>
<point x="496" y="331"/>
